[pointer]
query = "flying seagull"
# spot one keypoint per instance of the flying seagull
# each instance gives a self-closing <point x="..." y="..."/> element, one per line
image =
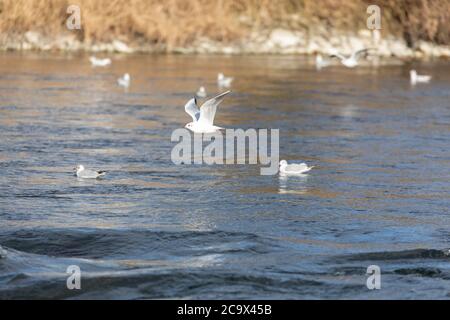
<point x="286" y="168"/>
<point x="81" y="172"/>
<point x="204" y="117"/>
<point x="352" y="60"/>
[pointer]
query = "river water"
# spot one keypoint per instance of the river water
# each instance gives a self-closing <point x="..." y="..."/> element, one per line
<point x="379" y="194"/>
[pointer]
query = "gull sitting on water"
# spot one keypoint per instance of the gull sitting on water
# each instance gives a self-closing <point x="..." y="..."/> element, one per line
<point x="415" y="78"/>
<point x="223" y="81"/>
<point x="2" y="253"/>
<point x="201" y="93"/>
<point x="99" y="62"/>
<point x="352" y="60"/>
<point x="204" y="117"/>
<point x="320" y="63"/>
<point x="124" y="81"/>
<point x="88" y="174"/>
<point x="286" y="168"/>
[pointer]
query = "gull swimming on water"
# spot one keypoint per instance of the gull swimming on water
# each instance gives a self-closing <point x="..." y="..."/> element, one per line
<point x="88" y="174"/>
<point x="320" y="63"/>
<point x="99" y="62"/>
<point x="286" y="168"/>
<point x="201" y="93"/>
<point x="352" y="60"/>
<point x="124" y="81"/>
<point x="223" y="81"/>
<point x="415" y="78"/>
<point x="204" y="117"/>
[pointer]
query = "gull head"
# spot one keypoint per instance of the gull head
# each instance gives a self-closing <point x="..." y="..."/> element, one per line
<point x="126" y="77"/>
<point x="283" y="163"/>
<point x="79" y="167"/>
<point x="220" y="76"/>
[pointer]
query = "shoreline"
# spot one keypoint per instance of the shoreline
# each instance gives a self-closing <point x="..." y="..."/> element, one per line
<point x="276" y="41"/>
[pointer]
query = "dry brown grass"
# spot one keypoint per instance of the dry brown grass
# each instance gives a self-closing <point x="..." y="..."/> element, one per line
<point x="418" y="19"/>
<point x="173" y="23"/>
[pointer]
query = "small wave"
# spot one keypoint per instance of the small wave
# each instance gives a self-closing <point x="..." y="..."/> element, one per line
<point x="162" y="284"/>
<point x="129" y="244"/>
<point x="119" y="259"/>
<point x="423" y="272"/>
<point x="2" y="253"/>
<point x="399" y="255"/>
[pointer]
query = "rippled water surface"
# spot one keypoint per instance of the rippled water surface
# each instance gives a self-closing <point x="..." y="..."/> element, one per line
<point x="379" y="193"/>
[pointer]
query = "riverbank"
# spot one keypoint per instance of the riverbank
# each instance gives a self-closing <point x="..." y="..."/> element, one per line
<point x="415" y="30"/>
<point x="277" y="41"/>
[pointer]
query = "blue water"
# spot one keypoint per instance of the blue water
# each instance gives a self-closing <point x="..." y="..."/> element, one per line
<point x="379" y="194"/>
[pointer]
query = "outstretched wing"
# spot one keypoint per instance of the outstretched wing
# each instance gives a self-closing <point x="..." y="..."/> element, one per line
<point x="208" y="109"/>
<point x="89" y="173"/>
<point x="298" y="168"/>
<point x="338" y="55"/>
<point x="359" y="53"/>
<point x="192" y="109"/>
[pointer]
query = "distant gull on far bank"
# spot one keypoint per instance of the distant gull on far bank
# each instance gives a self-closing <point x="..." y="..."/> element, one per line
<point x="201" y="93"/>
<point x="224" y="82"/>
<point x="124" y="81"/>
<point x="352" y="60"/>
<point x="415" y="78"/>
<point x="204" y="117"/>
<point x="286" y="168"/>
<point x="99" y="62"/>
<point x="83" y="173"/>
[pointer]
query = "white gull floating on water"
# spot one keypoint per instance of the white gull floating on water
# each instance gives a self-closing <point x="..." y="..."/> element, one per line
<point x="415" y="78"/>
<point x="223" y="81"/>
<point x="294" y="168"/>
<point x="352" y="60"/>
<point x="88" y="174"/>
<point x="99" y="62"/>
<point x="204" y="117"/>
<point x="124" y="81"/>
<point x="201" y="93"/>
<point x="320" y="62"/>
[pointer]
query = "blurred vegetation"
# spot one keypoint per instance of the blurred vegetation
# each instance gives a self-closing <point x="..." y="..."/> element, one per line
<point x="172" y="23"/>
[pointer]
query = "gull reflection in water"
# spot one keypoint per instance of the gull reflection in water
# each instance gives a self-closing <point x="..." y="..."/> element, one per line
<point x="293" y="183"/>
<point x="349" y="111"/>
